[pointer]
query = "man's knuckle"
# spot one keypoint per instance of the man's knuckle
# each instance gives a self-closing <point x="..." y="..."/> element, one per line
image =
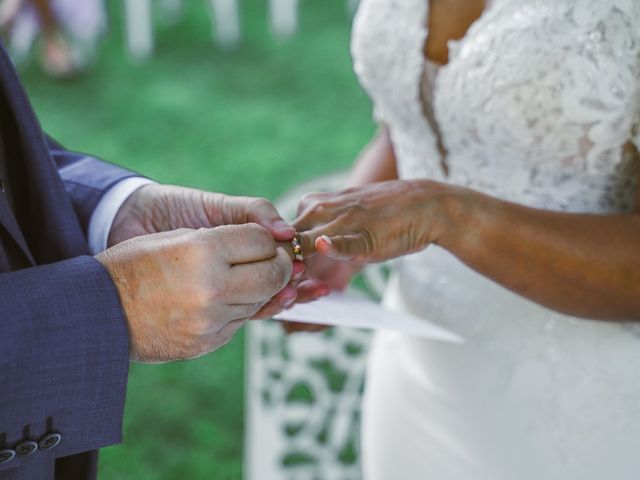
<point x="202" y="238"/>
<point x="261" y="202"/>
<point x="262" y="233"/>
<point x="259" y="235"/>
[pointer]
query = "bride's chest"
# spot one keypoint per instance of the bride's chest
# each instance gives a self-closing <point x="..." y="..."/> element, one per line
<point x="536" y="80"/>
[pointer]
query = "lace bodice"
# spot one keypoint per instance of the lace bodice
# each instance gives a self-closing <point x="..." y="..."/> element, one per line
<point x="539" y="103"/>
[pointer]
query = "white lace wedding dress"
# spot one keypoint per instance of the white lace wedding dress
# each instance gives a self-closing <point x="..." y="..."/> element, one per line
<point x="539" y="105"/>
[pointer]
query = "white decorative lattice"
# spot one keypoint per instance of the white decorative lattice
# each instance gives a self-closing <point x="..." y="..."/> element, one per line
<point x="304" y="391"/>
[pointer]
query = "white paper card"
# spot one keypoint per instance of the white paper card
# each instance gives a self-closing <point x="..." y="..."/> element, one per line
<point x="340" y="310"/>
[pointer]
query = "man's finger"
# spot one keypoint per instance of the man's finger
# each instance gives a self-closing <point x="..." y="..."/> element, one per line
<point x="263" y="213"/>
<point x="258" y="281"/>
<point x="243" y="243"/>
<point x="281" y="301"/>
<point x="287" y="247"/>
<point x="311" y="290"/>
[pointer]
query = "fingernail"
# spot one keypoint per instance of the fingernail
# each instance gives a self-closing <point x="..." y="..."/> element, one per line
<point x="289" y="303"/>
<point x="298" y="269"/>
<point x="283" y="227"/>
<point x="324" y="291"/>
<point x="326" y="240"/>
<point x="289" y="294"/>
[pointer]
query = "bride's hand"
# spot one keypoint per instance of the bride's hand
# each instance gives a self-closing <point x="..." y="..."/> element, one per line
<point x="375" y="222"/>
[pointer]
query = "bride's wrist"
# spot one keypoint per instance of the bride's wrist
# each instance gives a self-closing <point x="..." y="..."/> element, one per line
<point x="451" y="213"/>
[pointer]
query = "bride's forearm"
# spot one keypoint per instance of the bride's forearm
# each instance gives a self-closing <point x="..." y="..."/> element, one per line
<point x="376" y="162"/>
<point x="582" y="265"/>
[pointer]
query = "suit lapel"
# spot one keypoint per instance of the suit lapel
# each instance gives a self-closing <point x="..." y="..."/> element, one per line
<point x="8" y="221"/>
<point x="55" y="234"/>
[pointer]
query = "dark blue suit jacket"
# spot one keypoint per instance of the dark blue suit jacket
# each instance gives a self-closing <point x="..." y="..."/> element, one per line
<point x="63" y="338"/>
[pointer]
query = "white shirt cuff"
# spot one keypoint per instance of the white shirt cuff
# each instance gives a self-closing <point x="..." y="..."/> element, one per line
<point x="107" y="209"/>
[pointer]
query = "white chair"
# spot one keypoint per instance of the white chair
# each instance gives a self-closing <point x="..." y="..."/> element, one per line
<point x="283" y="17"/>
<point x="226" y="22"/>
<point x="171" y="9"/>
<point x="138" y="18"/>
<point x="138" y="28"/>
<point x="303" y="392"/>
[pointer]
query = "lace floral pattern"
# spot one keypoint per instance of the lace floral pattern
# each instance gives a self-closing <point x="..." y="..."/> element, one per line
<point x="535" y="106"/>
<point x="540" y="105"/>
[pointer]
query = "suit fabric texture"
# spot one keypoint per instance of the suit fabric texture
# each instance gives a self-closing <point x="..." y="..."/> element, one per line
<point x="63" y="337"/>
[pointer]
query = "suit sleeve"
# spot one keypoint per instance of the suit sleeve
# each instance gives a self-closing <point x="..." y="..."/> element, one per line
<point x="63" y="358"/>
<point x="64" y="344"/>
<point x="86" y="179"/>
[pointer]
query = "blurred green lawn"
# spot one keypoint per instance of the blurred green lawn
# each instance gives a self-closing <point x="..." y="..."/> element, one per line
<point x="255" y="121"/>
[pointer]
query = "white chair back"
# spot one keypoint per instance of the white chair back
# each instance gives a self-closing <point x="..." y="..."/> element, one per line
<point x="283" y="17"/>
<point x="304" y="392"/>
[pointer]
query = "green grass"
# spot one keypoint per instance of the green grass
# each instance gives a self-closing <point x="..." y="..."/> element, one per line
<point x="254" y="121"/>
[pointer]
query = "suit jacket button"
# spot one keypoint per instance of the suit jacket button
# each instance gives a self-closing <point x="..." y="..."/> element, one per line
<point x="6" y="455"/>
<point x="26" y="447"/>
<point x="49" y="441"/>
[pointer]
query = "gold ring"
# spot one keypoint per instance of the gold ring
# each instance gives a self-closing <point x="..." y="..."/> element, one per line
<point x="297" y="248"/>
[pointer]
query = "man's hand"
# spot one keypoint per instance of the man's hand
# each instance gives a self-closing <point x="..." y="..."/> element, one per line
<point x="162" y="208"/>
<point x="186" y="292"/>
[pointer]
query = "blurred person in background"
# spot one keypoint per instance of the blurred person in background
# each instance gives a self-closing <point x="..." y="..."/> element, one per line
<point x="100" y="267"/>
<point x="509" y="147"/>
<point x="68" y="31"/>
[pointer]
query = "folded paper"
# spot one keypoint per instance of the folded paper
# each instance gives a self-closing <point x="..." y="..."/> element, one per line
<point x="344" y="311"/>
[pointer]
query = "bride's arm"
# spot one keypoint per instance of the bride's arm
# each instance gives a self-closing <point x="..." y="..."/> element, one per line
<point x="582" y="265"/>
<point x="376" y="162"/>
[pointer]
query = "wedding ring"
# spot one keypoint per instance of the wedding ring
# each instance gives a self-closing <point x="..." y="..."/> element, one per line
<point x="297" y="248"/>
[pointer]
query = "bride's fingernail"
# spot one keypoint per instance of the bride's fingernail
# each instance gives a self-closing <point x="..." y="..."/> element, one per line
<point x="324" y="291"/>
<point x="326" y="240"/>
<point x="298" y="269"/>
